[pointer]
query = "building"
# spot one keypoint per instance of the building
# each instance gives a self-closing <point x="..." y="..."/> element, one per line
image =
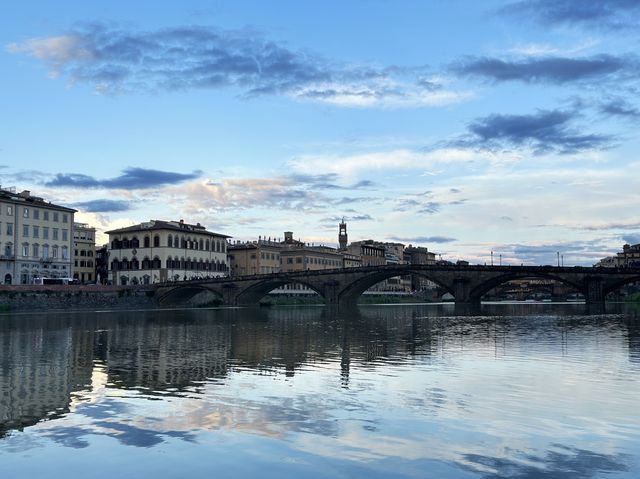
<point x="159" y="251"/>
<point x="630" y="256"/>
<point x="370" y="252"/>
<point x="84" y="247"/>
<point x="35" y="238"/>
<point x="257" y="257"/>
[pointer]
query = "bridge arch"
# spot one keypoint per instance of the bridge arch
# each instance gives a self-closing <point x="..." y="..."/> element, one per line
<point x="254" y="293"/>
<point x="612" y="286"/>
<point x="480" y="290"/>
<point x="352" y="292"/>
<point x="186" y="293"/>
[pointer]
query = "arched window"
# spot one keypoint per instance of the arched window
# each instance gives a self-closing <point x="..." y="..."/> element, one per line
<point x="155" y="264"/>
<point x="201" y="244"/>
<point x="124" y="264"/>
<point x="206" y="247"/>
<point x="125" y="243"/>
<point x="115" y="265"/>
<point x="114" y="244"/>
<point x="134" y="242"/>
<point x="156" y="241"/>
<point x="170" y="241"/>
<point x="146" y="264"/>
<point x="169" y="261"/>
<point x="146" y="242"/>
<point x="135" y="264"/>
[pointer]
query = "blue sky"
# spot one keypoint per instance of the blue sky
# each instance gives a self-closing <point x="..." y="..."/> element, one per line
<point x="467" y="127"/>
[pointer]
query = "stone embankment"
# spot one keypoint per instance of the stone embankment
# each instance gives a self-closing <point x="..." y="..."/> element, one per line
<point x="74" y="297"/>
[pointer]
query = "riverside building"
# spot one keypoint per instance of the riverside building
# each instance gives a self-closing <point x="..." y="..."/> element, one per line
<point x="160" y="251"/>
<point x="84" y="247"/>
<point x="36" y="238"/>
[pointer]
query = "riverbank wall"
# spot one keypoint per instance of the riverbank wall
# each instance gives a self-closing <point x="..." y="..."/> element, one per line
<point x="75" y="297"/>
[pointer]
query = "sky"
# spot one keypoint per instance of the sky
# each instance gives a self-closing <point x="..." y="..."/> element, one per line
<point x="466" y="127"/>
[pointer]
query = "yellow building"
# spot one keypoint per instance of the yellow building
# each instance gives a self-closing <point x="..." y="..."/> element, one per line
<point x="35" y="238"/>
<point x="84" y="247"/>
<point x="159" y="251"/>
<point x="257" y="257"/>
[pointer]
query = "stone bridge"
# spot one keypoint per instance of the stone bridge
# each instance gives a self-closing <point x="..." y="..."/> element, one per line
<point x="344" y="286"/>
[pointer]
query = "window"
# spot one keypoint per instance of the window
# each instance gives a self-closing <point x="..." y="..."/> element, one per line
<point x="65" y="235"/>
<point x="35" y="248"/>
<point x="65" y="218"/>
<point x="56" y="216"/>
<point x="54" y="251"/>
<point x="36" y="214"/>
<point x="156" y="241"/>
<point x="10" y="229"/>
<point x="25" y="213"/>
<point x="25" y="250"/>
<point x="36" y="232"/>
<point x="65" y="252"/>
<point x="45" y="251"/>
<point x="55" y="233"/>
<point x="45" y="232"/>
<point x="25" y="230"/>
<point x="45" y="215"/>
<point x="10" y="210"/>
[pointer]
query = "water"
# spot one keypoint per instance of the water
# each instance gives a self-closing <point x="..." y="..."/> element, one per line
<point x="518" y="391"/>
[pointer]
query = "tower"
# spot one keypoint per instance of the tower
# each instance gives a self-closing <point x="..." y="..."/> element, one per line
<point x="342" y="235"/>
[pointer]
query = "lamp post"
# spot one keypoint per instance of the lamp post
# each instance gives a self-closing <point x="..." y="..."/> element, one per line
<point x="492" y="258"/>
<point x="558" y="253"/>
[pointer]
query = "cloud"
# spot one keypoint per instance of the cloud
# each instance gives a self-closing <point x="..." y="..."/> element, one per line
<point x="327" y="181"/>
<point x="334" y="220"/>
<point x="132" y="178"/>
<point x="632" y="238"/>
<point x="349" y="165"/>
<point x="556" y="70"/>
<point x="620" y="107"/>
<point x="423" y="239"/>
<point x="592" y="13"/>
<point x="249" y="193"/>
<point x="103" y="206"/>
<point x="610" y="226"/>
<point x="544" y="131"/>
<point x="184" y="58"/>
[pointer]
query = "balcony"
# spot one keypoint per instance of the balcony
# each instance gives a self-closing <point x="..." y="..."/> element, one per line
<point x="7" y="257"/>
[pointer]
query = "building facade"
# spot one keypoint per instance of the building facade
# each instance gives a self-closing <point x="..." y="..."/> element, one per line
<point x="160" y="251"/>
<point x="36" y="238"/>
<point x="84" y="248"/>
<point x="256" y="257"/>
<point x="630" y="256"/>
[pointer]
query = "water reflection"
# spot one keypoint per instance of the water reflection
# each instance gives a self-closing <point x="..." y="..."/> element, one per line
<point x="508" y="391"/>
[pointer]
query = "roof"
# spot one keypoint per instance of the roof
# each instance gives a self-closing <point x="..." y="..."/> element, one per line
<point x="25" y="198"/>
<point x="155" y="225"/>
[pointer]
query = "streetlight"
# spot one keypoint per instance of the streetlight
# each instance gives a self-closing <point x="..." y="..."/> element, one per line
<point x="558" y="253"/>
<point x="492" y="258"/>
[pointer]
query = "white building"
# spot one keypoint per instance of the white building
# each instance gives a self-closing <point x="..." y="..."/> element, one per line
<point x="36" y="238"/>
<point x="159" y="251"/>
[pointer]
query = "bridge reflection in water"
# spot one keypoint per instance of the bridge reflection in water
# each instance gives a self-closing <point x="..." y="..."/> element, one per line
<point x="344" y="286"/>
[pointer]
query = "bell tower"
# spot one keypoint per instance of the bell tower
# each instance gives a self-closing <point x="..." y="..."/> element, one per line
<point x="342" y="235"/>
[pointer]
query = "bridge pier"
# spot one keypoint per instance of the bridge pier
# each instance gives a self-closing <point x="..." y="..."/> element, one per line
<point x="462" y="292"/>
<point x="230" y="294"/>
<point x="594" y="290"/>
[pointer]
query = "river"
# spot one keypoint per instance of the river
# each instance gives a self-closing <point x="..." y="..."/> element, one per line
<point x="412" y="391"/>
